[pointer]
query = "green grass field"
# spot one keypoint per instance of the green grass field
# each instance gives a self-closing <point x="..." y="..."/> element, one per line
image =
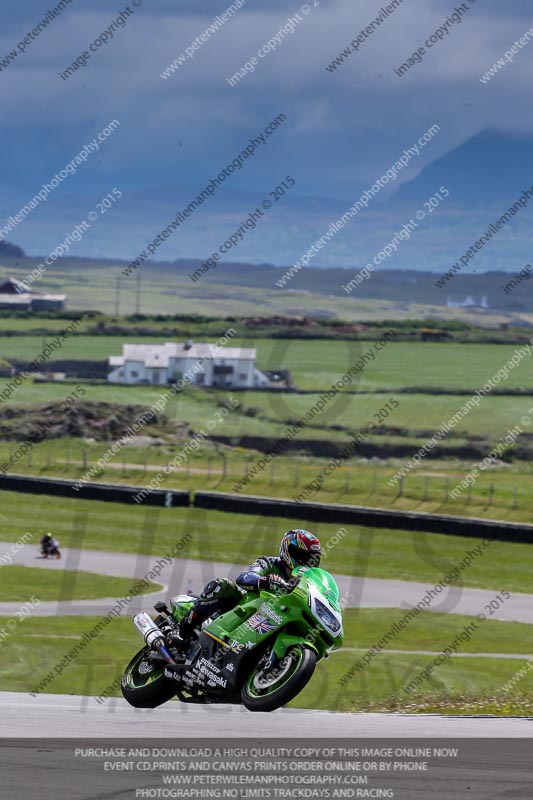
<point x="429" y="631"/>
<point x="237" y="539"/>
<point x="475" y="683"/>
<point x="416" y="412"/>
<point x="480" y="679"/>
<point x="318" y="364"/>
<point x="458" y="685"/>
<point x="267" y="415"/>
<point x="20" y="583"/>
<point x="502" y="492"/>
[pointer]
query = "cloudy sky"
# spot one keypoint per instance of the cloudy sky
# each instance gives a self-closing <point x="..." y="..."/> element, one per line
<point x="343" y="127"/>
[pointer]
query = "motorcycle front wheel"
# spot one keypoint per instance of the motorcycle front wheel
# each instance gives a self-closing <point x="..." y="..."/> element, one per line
<point x="143" y="682"/>
<point x="267" y="690"/>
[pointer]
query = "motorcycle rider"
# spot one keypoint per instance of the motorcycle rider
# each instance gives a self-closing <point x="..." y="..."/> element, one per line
<point x="49" y="545"/>
<point x="298" y="548"/>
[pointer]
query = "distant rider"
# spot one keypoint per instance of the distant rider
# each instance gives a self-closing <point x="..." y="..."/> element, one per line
<point x="49" y="546"/>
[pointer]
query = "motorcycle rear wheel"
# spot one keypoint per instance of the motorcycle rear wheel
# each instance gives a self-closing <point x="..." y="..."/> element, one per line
<point x="144" y="684"/>
<point x="267" y="691"/>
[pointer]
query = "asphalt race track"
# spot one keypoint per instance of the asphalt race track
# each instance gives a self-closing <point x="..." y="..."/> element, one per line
<point x="70" y="716"/>
<point x="181" y="576"/>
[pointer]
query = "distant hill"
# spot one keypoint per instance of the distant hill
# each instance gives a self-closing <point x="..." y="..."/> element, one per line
<point x="486" y="171"/>
<point x="484" y="175"/>
<point x="8" y="250"/>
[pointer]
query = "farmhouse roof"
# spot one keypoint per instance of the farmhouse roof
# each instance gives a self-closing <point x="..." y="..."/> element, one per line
<point x="158" y="355"/>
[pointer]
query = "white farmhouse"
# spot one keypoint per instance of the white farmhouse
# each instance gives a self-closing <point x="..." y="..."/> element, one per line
<point x="203" y="364"/>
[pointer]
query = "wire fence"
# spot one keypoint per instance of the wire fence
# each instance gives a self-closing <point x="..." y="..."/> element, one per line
<point x="353" y="483"/>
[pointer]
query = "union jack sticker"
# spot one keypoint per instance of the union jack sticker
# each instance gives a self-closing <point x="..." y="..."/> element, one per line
<point x="260" y="624"/>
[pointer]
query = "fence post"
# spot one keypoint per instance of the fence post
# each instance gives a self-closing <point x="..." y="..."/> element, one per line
<point x="515" y="497"/>
<point x="447" y="491"/>
<point x="491" y="493"/>
<point x="400" y="487"/>
<point x="84" y="456"/>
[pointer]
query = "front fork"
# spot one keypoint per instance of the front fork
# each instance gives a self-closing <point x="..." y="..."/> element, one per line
<point x="282" y="644"/>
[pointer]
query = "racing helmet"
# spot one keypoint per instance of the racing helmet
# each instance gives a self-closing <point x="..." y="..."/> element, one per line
<point x="300" y="548"/>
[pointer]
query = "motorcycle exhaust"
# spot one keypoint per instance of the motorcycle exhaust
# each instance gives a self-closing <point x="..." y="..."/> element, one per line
<point x="152" y="635"/>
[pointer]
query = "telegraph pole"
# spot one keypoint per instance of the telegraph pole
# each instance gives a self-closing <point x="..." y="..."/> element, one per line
<point x="138" y="295"/>
<point x="117" y="298"/>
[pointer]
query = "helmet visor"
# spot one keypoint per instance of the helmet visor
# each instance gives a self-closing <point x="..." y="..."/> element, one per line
<point x="304" y="558"/>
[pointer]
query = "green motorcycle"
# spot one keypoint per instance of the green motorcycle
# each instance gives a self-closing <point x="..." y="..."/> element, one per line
<point x="262" y="653"/>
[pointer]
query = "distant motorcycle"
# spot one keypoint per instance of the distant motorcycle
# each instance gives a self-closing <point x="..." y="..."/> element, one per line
<point x="50" y="547"/>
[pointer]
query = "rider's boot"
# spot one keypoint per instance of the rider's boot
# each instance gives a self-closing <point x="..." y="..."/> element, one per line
<point x="181" y="636"/>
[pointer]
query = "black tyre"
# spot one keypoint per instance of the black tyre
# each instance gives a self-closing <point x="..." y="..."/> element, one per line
<point x="266" y="691"/>
<point x="143" y="682"/>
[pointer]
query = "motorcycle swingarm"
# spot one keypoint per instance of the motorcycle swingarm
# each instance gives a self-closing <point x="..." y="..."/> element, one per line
<point x="175" y="672"/>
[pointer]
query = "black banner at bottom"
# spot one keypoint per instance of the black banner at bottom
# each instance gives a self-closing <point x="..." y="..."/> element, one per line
<point x="153" y="769"/>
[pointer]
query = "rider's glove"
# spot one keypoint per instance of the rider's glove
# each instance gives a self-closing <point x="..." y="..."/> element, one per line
<point x="278" y="585"/>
